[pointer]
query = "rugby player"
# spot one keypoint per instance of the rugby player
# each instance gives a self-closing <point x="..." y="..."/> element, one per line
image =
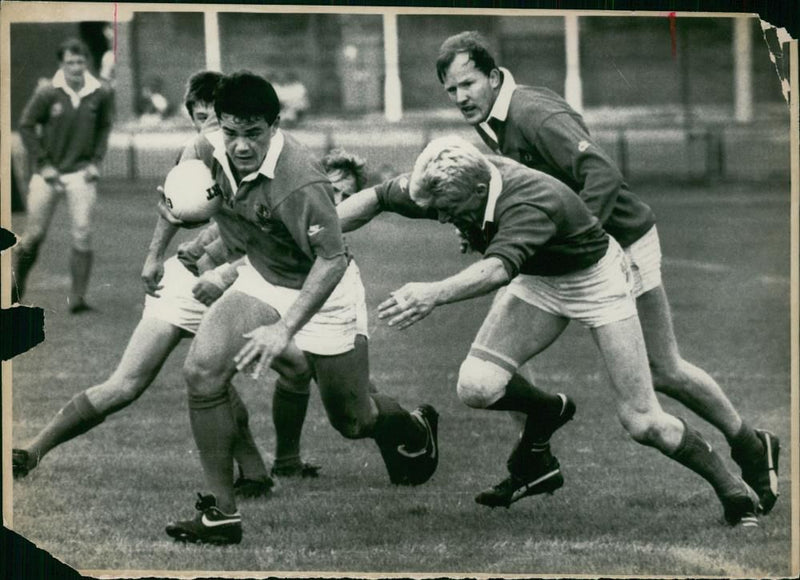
<point x="537" y="128"/>
<point x="178" y="297"/>
<point x="295" y="302"/>
<point x="65" y="128"/>
<point x="540" y="240"/>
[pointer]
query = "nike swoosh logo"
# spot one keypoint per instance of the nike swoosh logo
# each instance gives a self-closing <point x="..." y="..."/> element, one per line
<point x="401" y="449"/>
<point x="214" y="523"/>
<point x="522" y="490"/>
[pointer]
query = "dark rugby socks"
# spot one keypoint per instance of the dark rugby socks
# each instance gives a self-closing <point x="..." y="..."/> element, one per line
<point x="542" y="409"/>
<point x="697" y="454"/>
<point x="745" y="444"/>
<point x="214" y="433"/>
<point x="75" y="418"/>
<point x="245" y="450"/>
<point x="288" y="414"/>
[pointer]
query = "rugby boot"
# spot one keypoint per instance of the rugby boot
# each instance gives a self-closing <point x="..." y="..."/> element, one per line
<point x="21" y="463"/>
<point x="253" y="488"/>
<point x="542" y="474"/>
<point x="210" y="525"/>
<point x="394" y="431"/>
<point x="421" y="464"/>
<point x="741" y="507"/>
<point x="298" y="469"/>
<point x="538" y="431"/>
<point x="760" y="472"/>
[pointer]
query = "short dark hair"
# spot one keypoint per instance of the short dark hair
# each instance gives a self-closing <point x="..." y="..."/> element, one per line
<point x="74" y="46"/>
<point x="200" y="89"/>
<point x="246" y="95"/>
<point x="348" y="162"/>
<point x="471" y="42"/>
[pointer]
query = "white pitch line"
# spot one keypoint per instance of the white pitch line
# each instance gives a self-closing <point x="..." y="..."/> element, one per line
<point x="721" y="268"/>
<point x="698" y="265"/>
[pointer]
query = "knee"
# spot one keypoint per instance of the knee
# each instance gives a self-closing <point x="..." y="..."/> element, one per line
<point x="202" y="379"/>
<point x="643" y="426"/>
<point x="668" y="377"/>
<point x="295" y="381"/>
<point x="481" y="383"/>
<point x="82" y="239"/>
<point x="349" y="425"/>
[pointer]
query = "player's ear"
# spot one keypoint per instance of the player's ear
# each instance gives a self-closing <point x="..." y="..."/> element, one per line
<point x="482" y="190"/>
<point x="495" y="78"/>
<point x="275" y="124"/>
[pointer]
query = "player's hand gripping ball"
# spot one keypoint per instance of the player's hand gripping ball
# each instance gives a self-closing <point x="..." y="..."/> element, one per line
<point x="191" y="193"/>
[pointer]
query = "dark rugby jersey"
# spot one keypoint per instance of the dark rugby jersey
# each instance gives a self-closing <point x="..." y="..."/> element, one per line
<point x="542" y="131"/>
<point x="71" y="137"/>
<point x="539" y="226"/>
<point x="284" y="221"/>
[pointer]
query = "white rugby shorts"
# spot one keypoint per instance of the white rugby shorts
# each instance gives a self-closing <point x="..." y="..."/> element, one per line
<point x="595" y="296"/>
<point x="176" y="303"/>
<point x="332" y="330"/>
<point x="644" y="256"/>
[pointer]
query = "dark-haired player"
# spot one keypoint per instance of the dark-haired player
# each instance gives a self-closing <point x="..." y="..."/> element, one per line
<point x="179" y="293"/>
<point x="294" y="302"/>
<point x="537" y="128"/>
<point x="65" y="128"/>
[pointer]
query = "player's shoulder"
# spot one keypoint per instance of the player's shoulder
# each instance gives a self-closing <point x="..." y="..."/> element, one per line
<point x="45" y="90"/>
<point x="537" y="103"/>
<point x="298" y="165"/>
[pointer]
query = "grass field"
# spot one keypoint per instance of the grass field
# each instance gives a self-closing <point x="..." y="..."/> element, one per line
<point x="101" y="501"/>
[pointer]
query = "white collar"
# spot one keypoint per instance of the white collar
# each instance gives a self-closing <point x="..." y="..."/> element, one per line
<point x="267" y="168"/>
<point x="90" y="85"/>
<point x="502" y="102"/>
<point x="495" y="188"/>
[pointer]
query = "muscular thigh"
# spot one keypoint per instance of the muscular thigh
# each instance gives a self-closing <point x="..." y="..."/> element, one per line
<point x="514" y="331"/>
<point x="221" y="333"/>
<point x="343" y="381"/>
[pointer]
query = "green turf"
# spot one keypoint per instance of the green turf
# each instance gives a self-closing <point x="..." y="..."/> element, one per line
<point x="101" y="501"/>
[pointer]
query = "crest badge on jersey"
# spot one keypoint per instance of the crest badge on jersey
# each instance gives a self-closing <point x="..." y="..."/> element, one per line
<point x="263" y="214"/>
<point x="56" y="109"/>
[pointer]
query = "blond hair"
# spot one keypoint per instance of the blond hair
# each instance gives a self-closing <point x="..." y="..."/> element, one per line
<point x="447" y="165"/>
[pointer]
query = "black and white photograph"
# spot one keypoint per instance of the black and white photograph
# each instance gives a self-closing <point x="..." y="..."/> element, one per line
<point x="412" y="292"/>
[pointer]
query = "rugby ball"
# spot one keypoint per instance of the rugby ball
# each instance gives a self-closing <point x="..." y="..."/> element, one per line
<point x="190" y="192"/>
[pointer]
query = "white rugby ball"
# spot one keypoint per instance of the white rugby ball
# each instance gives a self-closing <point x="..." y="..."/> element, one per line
<point x="190" y="192"/>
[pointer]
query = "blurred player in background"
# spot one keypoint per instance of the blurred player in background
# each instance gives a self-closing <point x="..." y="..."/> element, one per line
<point x="178" y="297"/>
<point x="65" y="128"/>
<point x="540" y="240"/>
<point x="537" y="128"/>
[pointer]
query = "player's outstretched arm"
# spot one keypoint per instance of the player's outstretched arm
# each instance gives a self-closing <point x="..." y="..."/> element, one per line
<point x="414" y="301"/>
<point x="358" y="209"/>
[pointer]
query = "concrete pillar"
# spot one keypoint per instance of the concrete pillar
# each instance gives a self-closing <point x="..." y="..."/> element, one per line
<point x="392" y="89"/>
<point x="124" y="74"/>
<point x="743" y="69"/>
<point x="573" y="86"/>
<point x="211" y="29"/>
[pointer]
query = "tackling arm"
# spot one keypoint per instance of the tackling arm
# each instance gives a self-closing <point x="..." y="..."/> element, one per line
<point x="415" y="301"/>
<point x="358" y="209"/>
